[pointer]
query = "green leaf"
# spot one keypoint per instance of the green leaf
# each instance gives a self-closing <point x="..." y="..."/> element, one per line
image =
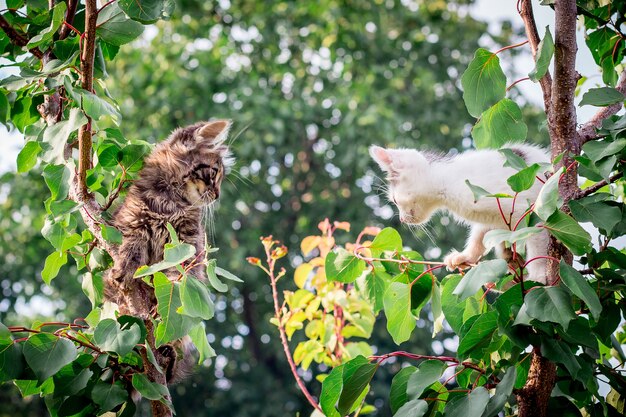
<point x="5" y="108"/>
<point x="174" y="254"/>
<point x="601" y="214"/>
<point x="569" y="232"/>
<point x="226" y="274"/>
<point x="479" y="335"/>
<point x="545" y="51"/>
<point x="148" y="389"/>
<point x="500" y="124"/>
<point x="496" y="236"/>
<point x="195" y="298"/>
<point x="550" y="304"/>
<point x="111" y="234"/>
<point x="397" y="303"/>
<point x="524" y="179"/>
<point x="331" y="391"/>
<point x="398" y="395"/>
<point x="376" y="284"/>
<point x="503" y="392"/>
<point x="579" y="286"/>
<point x="114" y="27"/>
<point x="548" y="197"/>
<point x="27" y="158"/>
<point x="147" y="11"/>
<point x="456" y="311"/>
<point x="53" y="265"/>
<point x="414" y="408"/>
<point x="343" y="266"/>
<point x="480" y="192"/>
<point x="46" y="35"/>
<point x="486" y="271"/>
<point x="597" y="150"/>
<point x="426" y="374"/>
<point x="46" y="354"/>
<point x="484" y="82"/>
<point x="213" y="279"/>
<point x="55" y="136"/>
<point x="58" y="178"/>
<point x="172" y="325"/>
<point x="356" y="378"/>
<point x="600" y="97"/>
<point x="198" y="336"/>
<point x="472" y="405"/>
<point x="73" y="377"/>
<point x="559" y="352"/>
<point x="387" y="240"/>
<point x="10" y="356"/>
<point x="110" y="337"/>
<point x="513" y="160"/>
<point x="109" y="154"/>
<point x="96" y="107"/>
<point x="108" y="395"/>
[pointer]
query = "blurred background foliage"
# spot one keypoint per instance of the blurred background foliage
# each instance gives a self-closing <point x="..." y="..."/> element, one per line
<point x="309" y="86"/>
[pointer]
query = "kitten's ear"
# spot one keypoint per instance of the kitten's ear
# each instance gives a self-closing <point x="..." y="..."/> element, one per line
<point x="215" y="131"/>
<point x="382" y="157"/>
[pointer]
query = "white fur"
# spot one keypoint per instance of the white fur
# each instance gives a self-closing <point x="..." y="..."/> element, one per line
<point x="420" y="187"/>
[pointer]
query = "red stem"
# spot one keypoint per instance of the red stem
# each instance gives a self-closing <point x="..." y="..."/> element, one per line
<point x="510" y="47"/>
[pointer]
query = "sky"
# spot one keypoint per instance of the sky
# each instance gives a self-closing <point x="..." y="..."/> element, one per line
<point x="492" y="11"/>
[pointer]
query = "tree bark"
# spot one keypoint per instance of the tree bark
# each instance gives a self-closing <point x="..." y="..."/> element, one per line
<point x="533" y="399"/>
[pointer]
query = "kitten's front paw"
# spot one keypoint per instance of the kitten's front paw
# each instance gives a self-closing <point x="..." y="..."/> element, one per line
<point x="458" y="260"/>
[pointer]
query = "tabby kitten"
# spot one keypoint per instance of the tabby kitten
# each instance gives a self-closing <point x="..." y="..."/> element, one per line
<point x="181" y="176"/>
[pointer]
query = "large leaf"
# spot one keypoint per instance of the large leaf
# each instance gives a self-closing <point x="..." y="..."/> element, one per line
<point x="96" y="107"/>
<point x="414" y="408"/>
<point x="484" y="272"/>
<point x="523" y="179"/>
<point x="484" y="82"/>
<point x="331" y="391"/>
<point x="603" y="96"/>
<point x="52" y="266"/>
<point x="601" y="214"/>
<point x="500" y="124"/>
<point x="426" y="374"/>
<point x="57" y="178"/>
<point x="45" y="36"/>
<point x="472" y="405"/>
<point x="46" y="354"/>
<point x="560" y="352"/>
<point x="400" y="320"/>
<point x="73" y="377"/>
<point x="548" y="197"/>
<point x="171" y="325"/>
<point x="111" y="338"/>
<point x="479" y="335"/>
<point x="174" y="254"/>
<point x="398" y="394"/>
<point x="494" y="237"/>
<point x="569" y="232"/>
<point x="343" y="266"/>
<point x="195" y="298"/>
<point x="10" y="357"/>
<point x="550" y="304"/>
<point x="454" y="310"/>
<point x="545" y="51"/>
<point x="27" y="158"/>
<point x="200" y="341"/>
<point x="55" y="136"/>
<point x="387" y="240"/>
<point x="147" y="11"/>
<point x="503" y="391"/>
<point x="579" y="286"/>
<point x="357" y="375"/>
<point x="148" y="389"/>
<point x="597" y="150"/>
<point x="114" y="27"/>
<point x="109" y="395"/>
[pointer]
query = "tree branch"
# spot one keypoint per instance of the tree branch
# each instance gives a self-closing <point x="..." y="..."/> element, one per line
<point x="587" y="131"/>
<point x="528" y="17"/>
<point x="86" y="79"/>
<point x="69" y="18"/>
<point x="590" y="190"/>
<point x="17" y="38"/>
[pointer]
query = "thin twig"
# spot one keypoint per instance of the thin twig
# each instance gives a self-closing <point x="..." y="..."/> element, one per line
<point x="69" y="19"/>
<point x="17" y="38"/>
<point x="587" y="131"/>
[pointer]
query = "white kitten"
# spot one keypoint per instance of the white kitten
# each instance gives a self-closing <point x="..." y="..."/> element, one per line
<point x="420" y="184"/>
